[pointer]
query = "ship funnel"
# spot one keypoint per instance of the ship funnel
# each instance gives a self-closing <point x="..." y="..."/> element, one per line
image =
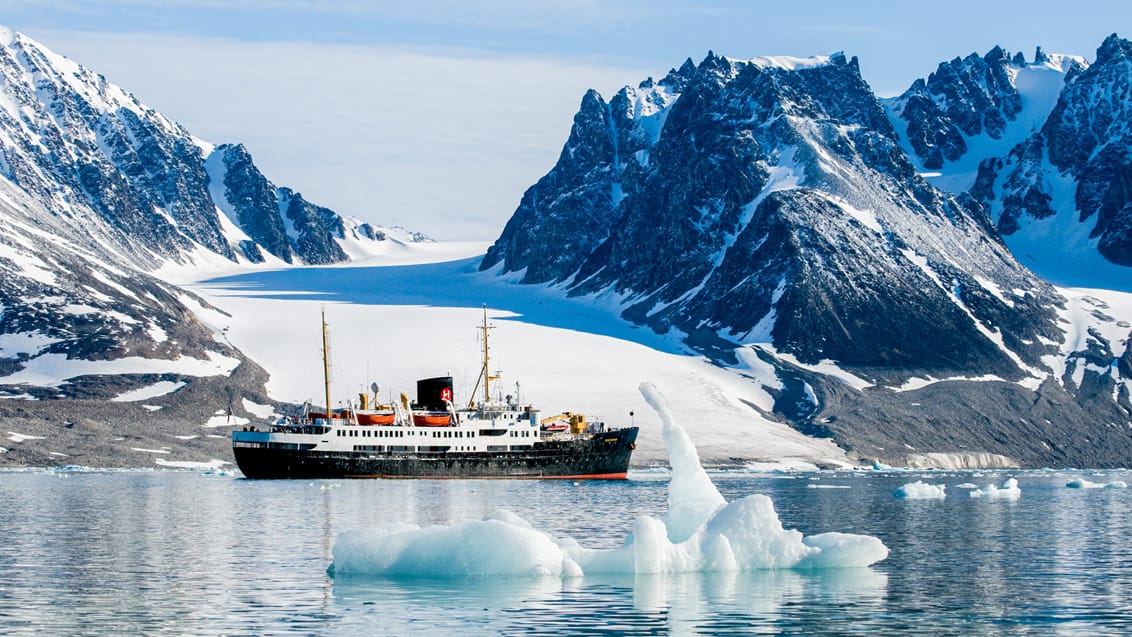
<point x="433" y="394"/>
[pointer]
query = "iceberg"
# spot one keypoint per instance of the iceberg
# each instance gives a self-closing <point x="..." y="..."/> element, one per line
<point x="700" y="533"/>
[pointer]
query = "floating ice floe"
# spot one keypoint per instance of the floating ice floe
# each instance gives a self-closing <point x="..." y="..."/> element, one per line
<point x="920" y="490"/>
<point x="1082" y="483"/>
<point x="701" y="532"/>
<point x="209" y="466"/>
<point x="1009" y="489"/>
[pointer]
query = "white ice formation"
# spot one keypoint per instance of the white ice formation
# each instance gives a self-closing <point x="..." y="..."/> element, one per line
<point x="701" y="532"/>
<point x="920" y="490"/>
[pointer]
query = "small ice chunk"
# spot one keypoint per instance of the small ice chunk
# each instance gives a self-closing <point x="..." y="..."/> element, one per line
<point x="1008" y="490"/>
<point x="1082" y="483"/>
<point x="920" y="490"/>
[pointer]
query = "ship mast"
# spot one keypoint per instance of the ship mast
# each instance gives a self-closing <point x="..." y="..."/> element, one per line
<point x="326" y="363"/>
<point x="485" y="374"/>
<point x="487" y="377"/>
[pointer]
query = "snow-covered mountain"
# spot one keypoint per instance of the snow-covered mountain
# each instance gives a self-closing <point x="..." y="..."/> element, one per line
<point x="136" y="182"/>
<point x="977" y="107"/>
<point x="1071" y="180"/>
<point x="1042" y="144"/>
<point x="100" y="198"/>
<point x="764" y="213"/>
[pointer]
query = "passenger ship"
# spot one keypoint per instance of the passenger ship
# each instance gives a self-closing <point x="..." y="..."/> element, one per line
<point x="432" y="438"/>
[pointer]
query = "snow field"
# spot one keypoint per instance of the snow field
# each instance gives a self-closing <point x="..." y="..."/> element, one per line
<point x="408" y="319"/>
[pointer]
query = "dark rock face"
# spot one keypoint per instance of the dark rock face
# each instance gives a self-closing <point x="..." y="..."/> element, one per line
<point x="59" y="301"/>
<point x="316" y="228"/>
<point x="963" y="98"/>
<point x="253" y="198"/>
<point x="582" y="195"/>
<point x="1086" y="141"/>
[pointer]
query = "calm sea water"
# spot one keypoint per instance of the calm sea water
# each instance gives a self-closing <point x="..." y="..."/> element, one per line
<point x="172" y="553"/>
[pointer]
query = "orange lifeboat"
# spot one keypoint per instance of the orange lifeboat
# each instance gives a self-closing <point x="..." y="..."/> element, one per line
<point x="432" y="419"/>
<point x="376" y="417"/>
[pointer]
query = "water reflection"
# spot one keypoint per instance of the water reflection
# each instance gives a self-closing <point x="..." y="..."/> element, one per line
<point x="685" y="603"/>
<point x="178" y="553"/>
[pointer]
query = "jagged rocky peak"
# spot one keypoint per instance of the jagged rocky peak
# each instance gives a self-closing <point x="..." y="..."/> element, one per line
<point x="241" y="191"/>
<point x="608" y="147"/>
<point x="971" y="97"/>
<point x="1076" y="168"/>
<point x="935" y="133"/>
<point x="769" y="202"/>
<point x="608" y="154"/>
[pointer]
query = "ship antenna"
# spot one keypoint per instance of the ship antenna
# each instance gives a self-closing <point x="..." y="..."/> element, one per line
<point x="326" y="363"/>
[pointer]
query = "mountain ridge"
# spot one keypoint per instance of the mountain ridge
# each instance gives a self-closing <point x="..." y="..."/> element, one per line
<point x="777" y="211"/>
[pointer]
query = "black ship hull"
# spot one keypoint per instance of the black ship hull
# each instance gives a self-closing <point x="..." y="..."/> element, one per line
<point x="601" y="456"/>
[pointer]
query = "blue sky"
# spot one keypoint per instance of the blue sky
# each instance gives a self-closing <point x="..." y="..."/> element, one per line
<point x="437" y="116"/>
